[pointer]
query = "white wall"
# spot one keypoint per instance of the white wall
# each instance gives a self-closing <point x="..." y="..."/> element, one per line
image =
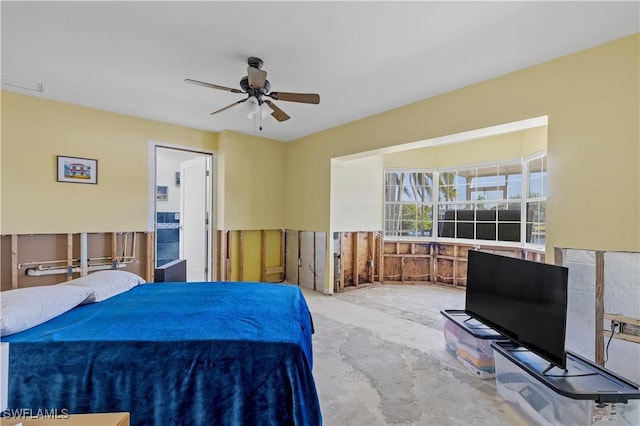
<point x="167" y="164"/>
<point x="581" y="302"/>
<point x="621" y="296"/>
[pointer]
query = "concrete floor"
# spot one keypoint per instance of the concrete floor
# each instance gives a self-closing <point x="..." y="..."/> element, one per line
<point x="380" y="359"/>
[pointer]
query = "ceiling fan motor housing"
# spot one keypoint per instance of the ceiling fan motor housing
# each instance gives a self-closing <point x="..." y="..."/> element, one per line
<point x="244" y="84"/>
<point x="254" y="62"/>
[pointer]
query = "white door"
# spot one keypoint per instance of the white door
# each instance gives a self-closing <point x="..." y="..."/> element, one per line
<point x="194" y="217"/>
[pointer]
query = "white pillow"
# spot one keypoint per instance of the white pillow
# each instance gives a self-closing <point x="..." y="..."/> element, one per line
<point x="24" y="308"/>
<point x="106" y="284"/>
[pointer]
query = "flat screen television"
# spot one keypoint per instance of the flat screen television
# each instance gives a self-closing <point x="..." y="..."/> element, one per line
<point x="525" y="301"/>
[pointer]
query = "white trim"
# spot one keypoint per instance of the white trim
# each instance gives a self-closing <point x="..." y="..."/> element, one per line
<point x="212" y="202"/>
<point x="400" y="169"/>
<point x="514" y="126"/>
<point x="535" y="155"/>
<point x="514" y="160"/>
<point x="151" y="155"/>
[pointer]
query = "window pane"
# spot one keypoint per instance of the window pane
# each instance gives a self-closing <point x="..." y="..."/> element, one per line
<point x="407" y="194"/>
<point x="447" y="188"/>
<point x="488" y="177"/>
<point x="514" y="186"/>
<point x="487" y="194"/>
<point x="408" y="212"/>
<point x="423" y="185"/>
<point x="536" y="187"/>
<point x="536" y="211"/>
<point x="486" y="215"/>
<point x="390" y="228"/>
<point x="536" y="229"/>
<point x="486" y="231"/>
<point x="538" y="177"/>
<point x="392" y="178"/>
<point x="392" y="211"/>
<point x="392" y="186"/>
<point x="426" y="229"/>
<point x="392" y="193"/>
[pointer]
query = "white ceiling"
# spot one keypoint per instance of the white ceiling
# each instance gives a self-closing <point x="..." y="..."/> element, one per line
<point x="362" y="57"/>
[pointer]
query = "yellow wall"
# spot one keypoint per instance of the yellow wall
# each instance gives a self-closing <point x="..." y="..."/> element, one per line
<point x="505" y="146"/>
<point x="307" y="184"/>
<point x="1" y="93"/>
<point x="591" y="99"/>
<point x="250" y="170"/>
<point x="250" y="182"/>
<point x="592" y="103"/>
<point x="35" y="130"/>
<point x="357" y="194"/>
<point x="487" y="150"/>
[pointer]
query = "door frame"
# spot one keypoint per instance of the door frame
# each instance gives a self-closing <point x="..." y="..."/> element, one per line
<point x="213" y="211"/>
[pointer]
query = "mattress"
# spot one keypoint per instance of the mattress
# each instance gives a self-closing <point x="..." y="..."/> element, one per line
<point x="174" y="354"/>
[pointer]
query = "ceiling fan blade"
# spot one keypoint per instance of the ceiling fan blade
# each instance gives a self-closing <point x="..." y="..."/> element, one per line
<point x="257" y="77"/>
<point x="307" y="98"/>
<point x="229" y="106"/>
<point x="212" y="86"/>
<point x="277" y="113"/>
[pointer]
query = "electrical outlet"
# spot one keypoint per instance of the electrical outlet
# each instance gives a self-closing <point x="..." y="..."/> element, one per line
<point x="615" y="326"/>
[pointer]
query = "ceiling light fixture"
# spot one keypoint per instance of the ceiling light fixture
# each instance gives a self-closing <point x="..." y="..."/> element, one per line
<point x="256" y="110"/>
<point x="252" y="106"/>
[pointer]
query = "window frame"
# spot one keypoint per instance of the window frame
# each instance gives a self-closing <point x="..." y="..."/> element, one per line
<point x="401" y="203"/>
<point x="436" y="203"/>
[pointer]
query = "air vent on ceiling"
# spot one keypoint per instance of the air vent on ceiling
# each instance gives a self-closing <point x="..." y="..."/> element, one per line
<point x="35" y="86"/>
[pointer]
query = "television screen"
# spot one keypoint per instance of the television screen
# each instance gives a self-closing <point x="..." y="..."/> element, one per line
<point x="526" y="301"/>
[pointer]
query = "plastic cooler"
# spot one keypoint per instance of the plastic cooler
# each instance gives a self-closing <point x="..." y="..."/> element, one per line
<point x="583" y="394"/>
<point x="469" y="341"/>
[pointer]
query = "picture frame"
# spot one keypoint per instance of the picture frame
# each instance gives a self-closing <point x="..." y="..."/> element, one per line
<point x="77" y="170"/>
<point x="162" y="193"/>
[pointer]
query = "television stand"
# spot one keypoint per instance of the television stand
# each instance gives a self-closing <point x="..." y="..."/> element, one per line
<point x="583" y="393"/>
<point x="471" y="325"/>
<point x="469" y="340"/>
<point x="546" y="370"/>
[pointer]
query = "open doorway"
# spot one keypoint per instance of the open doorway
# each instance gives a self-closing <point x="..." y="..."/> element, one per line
<point x="183" y="210"/>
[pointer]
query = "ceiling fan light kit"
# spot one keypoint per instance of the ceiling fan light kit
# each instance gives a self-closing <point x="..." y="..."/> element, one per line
<point x="256" y="86"/>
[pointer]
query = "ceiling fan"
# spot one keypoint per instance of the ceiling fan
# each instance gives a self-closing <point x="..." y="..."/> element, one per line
<point x="256" y="86"/>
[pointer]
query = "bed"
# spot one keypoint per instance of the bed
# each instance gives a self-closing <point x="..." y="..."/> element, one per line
<point x="174" y="354"/>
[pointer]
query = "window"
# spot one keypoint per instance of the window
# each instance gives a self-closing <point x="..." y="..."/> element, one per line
<point x="503" y="202"/>
<point x="408" y="204"/>
<point x="536" y="199"/>
<point x="481" y="203"/>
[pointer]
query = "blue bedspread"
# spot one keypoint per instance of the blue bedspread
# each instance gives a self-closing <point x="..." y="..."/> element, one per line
<point x="174" y="354"/>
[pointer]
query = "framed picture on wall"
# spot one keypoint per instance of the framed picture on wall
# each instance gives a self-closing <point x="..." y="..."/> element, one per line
<point x="162" y="193"/>
<point x="77" y="170"/>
